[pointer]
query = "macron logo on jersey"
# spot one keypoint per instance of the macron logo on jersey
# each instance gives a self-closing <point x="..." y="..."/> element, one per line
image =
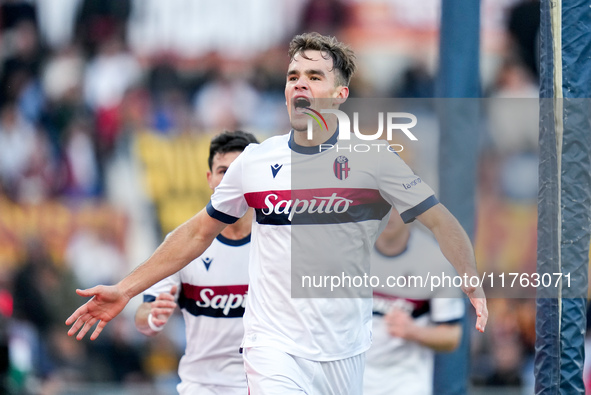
<point x="275" y="169"/>
<point x="341" y="167"/>
<point x="207" y="262"/>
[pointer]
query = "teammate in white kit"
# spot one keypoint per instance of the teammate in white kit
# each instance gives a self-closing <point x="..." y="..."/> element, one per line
<point x="337" y="206"/>
<point x="411" y="321"/>
<point x="211" y="292"/>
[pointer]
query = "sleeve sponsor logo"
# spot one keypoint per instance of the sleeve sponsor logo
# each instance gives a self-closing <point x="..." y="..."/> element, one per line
<point x="412" y="183"/>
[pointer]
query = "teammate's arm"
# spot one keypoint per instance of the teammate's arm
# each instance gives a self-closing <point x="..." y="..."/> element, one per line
<point x="441" y="337"/>
<point x="157" y="312"/>
<point x="457" y="248"/>
<point x="183" y="245"/>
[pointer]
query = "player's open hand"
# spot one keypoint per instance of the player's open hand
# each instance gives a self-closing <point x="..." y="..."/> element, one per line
<point x="399" y="322"/>
<point x="478" y="300"/>
<point x="106" y="303"/>
<point x="163" y="307"/>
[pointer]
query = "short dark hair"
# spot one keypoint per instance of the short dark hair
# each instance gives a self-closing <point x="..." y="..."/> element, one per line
<point x="343" y="57"/>
<point x="229" y="142"/>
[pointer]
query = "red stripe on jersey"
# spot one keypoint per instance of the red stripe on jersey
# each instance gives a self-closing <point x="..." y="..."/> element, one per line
<point x="384" y="301"/>
<point x="416" y="302"/>
<point x="358" y="195"/>
<point x="194" y="291"/>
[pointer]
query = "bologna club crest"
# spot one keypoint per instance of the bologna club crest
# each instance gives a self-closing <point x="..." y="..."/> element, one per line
<point x="341" y="167"/>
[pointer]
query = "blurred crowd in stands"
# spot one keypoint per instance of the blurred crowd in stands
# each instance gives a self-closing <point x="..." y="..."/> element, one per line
<point x="82" y="80"/>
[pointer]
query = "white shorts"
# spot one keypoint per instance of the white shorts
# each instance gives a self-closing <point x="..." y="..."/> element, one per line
<point x="188" y="388"/>
<point x="272" y="372"/>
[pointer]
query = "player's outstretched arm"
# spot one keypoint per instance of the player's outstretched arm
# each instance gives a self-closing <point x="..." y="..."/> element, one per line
<point x="457" y="248"/>
<point x="106" y="303"/>
<point x="151" y="317"/>
<point x="183" y="245"/>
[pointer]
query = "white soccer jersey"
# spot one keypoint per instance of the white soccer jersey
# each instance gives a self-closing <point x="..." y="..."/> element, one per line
<point x="397" y="366"/>
<point x="316" y="213"/>
<point x="212" y="295"/>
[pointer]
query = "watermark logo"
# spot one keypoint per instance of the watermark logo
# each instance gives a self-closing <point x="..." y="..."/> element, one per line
<point x="395" y="121"/>
<point x="315" y="117"/>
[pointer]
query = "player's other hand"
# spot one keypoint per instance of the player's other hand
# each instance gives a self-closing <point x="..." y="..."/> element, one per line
<point x="106" y="303"/>
<point x="399" y="322"/>
<point x="478" y="300"/>
<point x="163" y="307"/>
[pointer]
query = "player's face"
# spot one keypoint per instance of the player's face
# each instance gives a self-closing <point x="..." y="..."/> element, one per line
<point x="309" y="79"/>
<point x="395" y="226"/>
<point x="219" y="166"/>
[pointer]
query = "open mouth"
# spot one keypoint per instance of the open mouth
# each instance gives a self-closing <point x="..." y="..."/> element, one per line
<point x="301" y="102"/>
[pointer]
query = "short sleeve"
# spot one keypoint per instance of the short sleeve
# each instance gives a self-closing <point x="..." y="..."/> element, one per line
<point x="228" y="203"/>
<point x="163" y="286"/>
<point x="403" y="189"/>
<point x="447" y="309"/>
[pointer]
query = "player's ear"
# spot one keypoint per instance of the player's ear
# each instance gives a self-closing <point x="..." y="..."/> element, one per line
<point x="209" y="174"/>
<point x="342" y="93"/>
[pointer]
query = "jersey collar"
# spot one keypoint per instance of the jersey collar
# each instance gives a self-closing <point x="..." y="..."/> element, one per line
<point x="233" y="243"/>
<point x="300" y="149"/>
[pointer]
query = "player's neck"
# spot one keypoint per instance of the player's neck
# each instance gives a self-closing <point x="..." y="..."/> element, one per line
<point x="393" y="244"/>
<point x="239" y="229"/>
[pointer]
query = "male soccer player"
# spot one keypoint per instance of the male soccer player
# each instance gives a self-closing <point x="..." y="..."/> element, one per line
<point x="411" y="321"/>
<point x="211" y="291"/>
<point x="301" y="345"/>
